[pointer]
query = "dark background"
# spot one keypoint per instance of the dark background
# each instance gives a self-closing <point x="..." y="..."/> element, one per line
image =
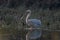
<point x="44" y="4"/>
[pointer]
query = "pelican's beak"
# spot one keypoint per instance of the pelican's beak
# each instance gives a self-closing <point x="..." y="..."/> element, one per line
<point x="23" y="16"/>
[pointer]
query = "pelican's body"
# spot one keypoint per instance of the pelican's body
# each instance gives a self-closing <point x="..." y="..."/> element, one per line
<point x="34" y="23"/>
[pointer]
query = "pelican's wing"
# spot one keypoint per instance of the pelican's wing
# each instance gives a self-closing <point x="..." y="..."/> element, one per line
<point x="34" y="22"/>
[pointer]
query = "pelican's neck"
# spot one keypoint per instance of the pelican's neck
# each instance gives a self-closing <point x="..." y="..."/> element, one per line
<point x="27" y="17"/>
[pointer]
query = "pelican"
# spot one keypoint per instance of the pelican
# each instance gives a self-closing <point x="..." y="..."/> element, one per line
<point x="33" y="23"/>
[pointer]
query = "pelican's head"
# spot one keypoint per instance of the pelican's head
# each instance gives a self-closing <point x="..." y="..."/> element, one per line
<point x="28" y="11"/>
